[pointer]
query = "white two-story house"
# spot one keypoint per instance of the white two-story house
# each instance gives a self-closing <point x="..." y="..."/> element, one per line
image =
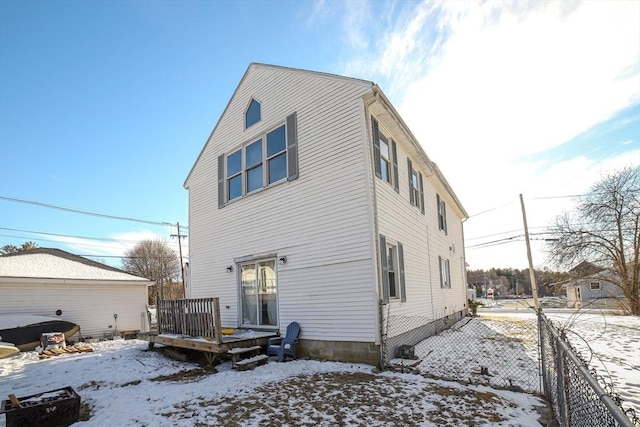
<point x="313" y="202"/>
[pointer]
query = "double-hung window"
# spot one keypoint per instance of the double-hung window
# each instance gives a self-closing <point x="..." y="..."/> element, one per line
<point x="442" y="214"/>
<point x="234" y="175"/>
<point x="445" y="273"/>
<point x="254" y="170"/>
<point x="265" y="160"/>
<point x="416" y="188"/>
<point x="385" y="162"/>
<point x="385" y="156"/>
<point x="392" y="263"/>
<point x="276" y="142"/>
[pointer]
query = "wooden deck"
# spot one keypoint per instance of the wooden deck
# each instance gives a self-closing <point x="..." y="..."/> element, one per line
<point x="194" y="324"/>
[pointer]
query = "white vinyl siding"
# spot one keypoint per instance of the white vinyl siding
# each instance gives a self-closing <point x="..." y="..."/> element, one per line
<point x="324" y="221"/>
<point x="423" y="242"/>
<point x="320" y="222"/>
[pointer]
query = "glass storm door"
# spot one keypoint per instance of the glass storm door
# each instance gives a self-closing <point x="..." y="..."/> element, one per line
<point x="259" y="293"/>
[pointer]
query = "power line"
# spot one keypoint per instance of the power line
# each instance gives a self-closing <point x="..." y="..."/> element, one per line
<point x="84" y="212"/>
<point x="55" y="241"/>
<point x="107" y="239"/>
<point x="86" y="244"/>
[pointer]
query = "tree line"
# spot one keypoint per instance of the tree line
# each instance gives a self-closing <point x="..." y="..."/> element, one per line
<point x="509" y="282"/>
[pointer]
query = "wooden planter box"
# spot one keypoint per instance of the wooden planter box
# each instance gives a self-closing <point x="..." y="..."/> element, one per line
<point x="54" y="408"/>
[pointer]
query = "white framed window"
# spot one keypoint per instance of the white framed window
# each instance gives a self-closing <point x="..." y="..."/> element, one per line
<point x="385" y="156"/>
<point x="392" y="265"/>
<point x="442" y="214"/>
<point x="269" y="150"/>
<point x="253" y="114"/>
<point x="416" y="188"/>
<point x="445" y="273"/>
<point x="265" y="160"/>
<point x="594" y="286"/>
<point x="385" y="159"/>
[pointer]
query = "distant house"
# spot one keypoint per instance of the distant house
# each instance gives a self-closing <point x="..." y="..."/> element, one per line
<point x="591" y="285"/>
<point x="90" y="294"/>
<point x="313" y="202"/>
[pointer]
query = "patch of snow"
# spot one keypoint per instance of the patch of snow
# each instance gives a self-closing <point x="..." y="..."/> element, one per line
<point x="41" y="265"/>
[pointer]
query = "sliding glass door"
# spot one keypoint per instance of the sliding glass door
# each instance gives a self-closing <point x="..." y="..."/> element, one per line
<point x="259" y="293"/>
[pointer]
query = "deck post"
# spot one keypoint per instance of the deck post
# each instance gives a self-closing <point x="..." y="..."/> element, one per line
<point x="217" y="333"/>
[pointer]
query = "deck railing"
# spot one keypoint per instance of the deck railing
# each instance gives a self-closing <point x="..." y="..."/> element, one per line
<point x="195" y="317"/>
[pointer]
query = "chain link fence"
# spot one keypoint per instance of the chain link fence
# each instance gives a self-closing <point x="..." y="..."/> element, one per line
<point x="578" y="396"/>
<point x="500" y="352"/>
<point x="516" y="350"/>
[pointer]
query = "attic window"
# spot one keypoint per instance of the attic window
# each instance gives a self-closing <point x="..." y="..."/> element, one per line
<point x="252" y="116"/>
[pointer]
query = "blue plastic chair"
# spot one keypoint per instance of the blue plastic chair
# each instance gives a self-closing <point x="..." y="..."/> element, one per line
<point x="285" y="346"/>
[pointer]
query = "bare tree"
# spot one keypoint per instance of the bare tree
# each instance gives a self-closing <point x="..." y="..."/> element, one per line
<point x="155" y="260"/>
<point x="11" y="249"/>
<point x="26" y="246"/>
<point x="604" y="229"/>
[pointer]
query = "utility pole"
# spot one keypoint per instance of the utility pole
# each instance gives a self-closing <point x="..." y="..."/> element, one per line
<point x="180" y="236"/>
<point x="532" y="274"/>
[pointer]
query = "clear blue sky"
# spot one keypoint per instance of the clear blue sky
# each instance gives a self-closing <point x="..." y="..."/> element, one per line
<point x="105" y="106"/>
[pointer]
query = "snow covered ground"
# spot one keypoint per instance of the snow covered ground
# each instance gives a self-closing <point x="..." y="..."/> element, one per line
<point x="611" y="346"/>
<point x="609" y="342"/>
<point x="121" y="383"/>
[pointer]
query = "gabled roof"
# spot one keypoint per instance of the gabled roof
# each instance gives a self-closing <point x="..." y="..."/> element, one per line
<point x="375" y="91"/>
<point x="584" y="269"/>
<point x="49" y="263"/>
<point x="251" y="67"/>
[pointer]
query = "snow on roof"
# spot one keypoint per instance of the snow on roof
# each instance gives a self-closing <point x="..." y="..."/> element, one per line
<point x="45" y="263"/>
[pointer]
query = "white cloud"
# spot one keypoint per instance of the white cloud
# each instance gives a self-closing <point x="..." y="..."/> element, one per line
<point x="485" y="86"/>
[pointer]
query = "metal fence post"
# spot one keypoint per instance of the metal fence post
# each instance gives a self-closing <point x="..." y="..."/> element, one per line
<point x="562" y="388"/>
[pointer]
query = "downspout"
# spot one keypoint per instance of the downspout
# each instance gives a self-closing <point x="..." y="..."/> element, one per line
<point x="376" y="228"/>
<point x="465" y="285"/>
<point x="433" y="312"/>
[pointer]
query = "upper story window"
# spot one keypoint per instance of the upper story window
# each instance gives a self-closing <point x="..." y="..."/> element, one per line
<point x="268" y="159"/>
<point x="234" y="175"/>
<point x="416" y="187"/>
<point x="276" y="155"/>
<point x="594" y="286"/>
<point x="385" y="159"/>
<point x="385" y="156"/>
<point x="252" y="115"/>
<point x="258" y="164"/>
<point x="442" y="214"/>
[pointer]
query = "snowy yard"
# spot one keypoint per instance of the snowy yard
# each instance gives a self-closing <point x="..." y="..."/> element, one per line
<point x="121" y="383"/>
<point x="610" y="343"/>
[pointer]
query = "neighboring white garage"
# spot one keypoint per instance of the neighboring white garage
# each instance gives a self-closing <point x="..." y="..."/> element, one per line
<point x="47" y="281"/>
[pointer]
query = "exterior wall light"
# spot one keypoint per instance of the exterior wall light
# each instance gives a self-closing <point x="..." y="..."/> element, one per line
<point x="282" y="260"/>
<point x="230" y="269"/>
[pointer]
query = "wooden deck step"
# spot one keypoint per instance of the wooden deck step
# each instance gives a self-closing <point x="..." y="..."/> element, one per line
<point x="240" y="350"/>
<point x="251" y="362"/>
